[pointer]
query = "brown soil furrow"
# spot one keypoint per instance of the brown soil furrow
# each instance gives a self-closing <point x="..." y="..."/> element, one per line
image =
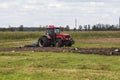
<point x="100" y="51"/>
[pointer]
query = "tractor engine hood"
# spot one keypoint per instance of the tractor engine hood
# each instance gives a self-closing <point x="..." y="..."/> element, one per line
<point x="63" y="36"/>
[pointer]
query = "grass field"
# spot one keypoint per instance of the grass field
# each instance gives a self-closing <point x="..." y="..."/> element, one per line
<point x="62" y="66"/>
<point x="88" y="39"/>
<point x="54" y="66"/>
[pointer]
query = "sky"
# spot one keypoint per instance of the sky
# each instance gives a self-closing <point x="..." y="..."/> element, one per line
<point x="58" y="12"/>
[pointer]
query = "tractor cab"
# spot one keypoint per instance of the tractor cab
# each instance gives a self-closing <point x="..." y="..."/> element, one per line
<point x="52" y="30"/>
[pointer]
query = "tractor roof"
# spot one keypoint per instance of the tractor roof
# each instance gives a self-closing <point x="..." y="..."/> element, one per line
<point x="51" y="27"/>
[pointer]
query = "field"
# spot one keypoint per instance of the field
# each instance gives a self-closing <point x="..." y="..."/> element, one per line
<point x="91" y="39"/>
<point x="62" y="65"/>
<point x="54" y="66"/>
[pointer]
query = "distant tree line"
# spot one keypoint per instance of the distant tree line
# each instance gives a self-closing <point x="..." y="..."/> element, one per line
<point x="97" y="27"/>
<point x="21" y="28"/>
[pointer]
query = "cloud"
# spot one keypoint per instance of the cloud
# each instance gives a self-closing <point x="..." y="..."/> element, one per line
<point x="58" y="12"/>
<point x="89" y="0"/>
<point x="4" y="5"/>
<point x="7" y="4"/>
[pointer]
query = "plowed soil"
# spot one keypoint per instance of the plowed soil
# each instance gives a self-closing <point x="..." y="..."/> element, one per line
<point x="100" y="51"/>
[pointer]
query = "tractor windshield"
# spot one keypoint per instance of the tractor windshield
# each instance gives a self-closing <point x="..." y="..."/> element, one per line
<point x="55" y="30"/>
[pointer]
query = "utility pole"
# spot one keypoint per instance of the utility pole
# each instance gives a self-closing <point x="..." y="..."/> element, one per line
<point x="76" y="23"/>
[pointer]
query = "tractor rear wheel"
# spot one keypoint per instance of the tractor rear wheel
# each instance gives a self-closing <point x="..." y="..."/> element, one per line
<point x="43" y="42"/>
<point x="58" y="43"/>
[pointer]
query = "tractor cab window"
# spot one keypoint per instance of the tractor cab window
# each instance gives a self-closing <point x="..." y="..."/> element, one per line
<point x="56" y="31"/>
<point x="49" y="31"/>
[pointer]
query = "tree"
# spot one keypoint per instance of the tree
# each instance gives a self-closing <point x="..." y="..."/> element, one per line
<point x="67" y="28"/>
<point x="74" y="29"/>
<point x="21" y="28"/>
<point x="88" y="27"/>
<point x="85" y="27"/>
<point x="11" y="29"/>
<point x="61" y="28"/>
<point x="40" y="28"/>
<point x="94" y="28"/>
<point x="2" y="29"/>
<point x="80" y="28"/>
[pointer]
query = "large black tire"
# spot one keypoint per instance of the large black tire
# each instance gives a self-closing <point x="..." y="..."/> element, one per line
<point x="43" y="42"/>
<point x="68" y="44"/>
<point x="59" y="43"/>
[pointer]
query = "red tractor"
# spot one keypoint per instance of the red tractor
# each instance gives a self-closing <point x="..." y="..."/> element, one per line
<point x="54" y="38"/>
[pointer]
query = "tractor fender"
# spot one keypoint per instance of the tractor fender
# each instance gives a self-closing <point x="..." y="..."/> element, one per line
<point x="47" y="36"/>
